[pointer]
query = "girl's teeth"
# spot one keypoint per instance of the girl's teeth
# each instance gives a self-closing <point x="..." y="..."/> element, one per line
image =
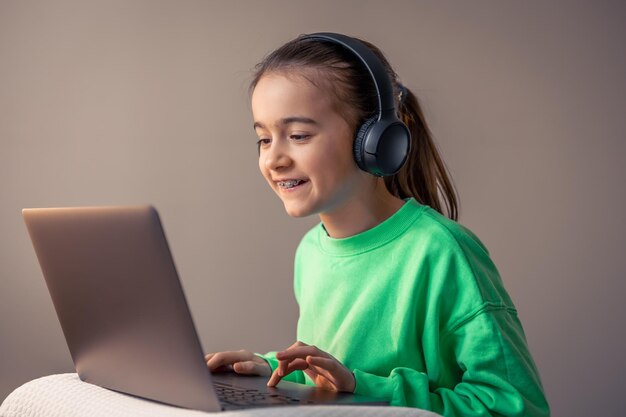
<point x="289" y="184"/>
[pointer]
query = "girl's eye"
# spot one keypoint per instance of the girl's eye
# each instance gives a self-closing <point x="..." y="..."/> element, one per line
<point x="299" y="137"/>
<point x="261" y="143"/>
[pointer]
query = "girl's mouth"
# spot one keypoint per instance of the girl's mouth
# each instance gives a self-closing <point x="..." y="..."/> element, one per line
<point x="290" y="184"/>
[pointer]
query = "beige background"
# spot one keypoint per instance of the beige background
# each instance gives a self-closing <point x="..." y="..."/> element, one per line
<point x="124" y="102"/>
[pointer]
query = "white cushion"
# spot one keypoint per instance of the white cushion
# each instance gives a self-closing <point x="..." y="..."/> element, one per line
<point x="65" y="395"/>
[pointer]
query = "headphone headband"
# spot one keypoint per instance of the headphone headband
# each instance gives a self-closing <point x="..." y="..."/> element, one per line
<point x="386" y="99"/>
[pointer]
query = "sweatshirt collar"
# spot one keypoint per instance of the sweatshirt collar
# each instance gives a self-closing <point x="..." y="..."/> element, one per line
<point x="375" y="237"/>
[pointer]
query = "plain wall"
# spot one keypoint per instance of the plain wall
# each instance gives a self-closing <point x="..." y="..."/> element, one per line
<point x="127" y="102"/>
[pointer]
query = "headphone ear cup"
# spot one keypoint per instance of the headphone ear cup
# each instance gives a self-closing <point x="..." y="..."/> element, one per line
<point x="359" y="143"/>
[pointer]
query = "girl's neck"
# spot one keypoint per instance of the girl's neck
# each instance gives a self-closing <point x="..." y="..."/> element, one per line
<point x="361" y="213"/>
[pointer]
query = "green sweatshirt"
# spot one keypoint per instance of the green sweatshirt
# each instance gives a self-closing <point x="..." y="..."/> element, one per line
<point x="417" y="310"/>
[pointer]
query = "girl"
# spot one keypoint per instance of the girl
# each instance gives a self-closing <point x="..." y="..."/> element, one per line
<point x="396" y="300"/>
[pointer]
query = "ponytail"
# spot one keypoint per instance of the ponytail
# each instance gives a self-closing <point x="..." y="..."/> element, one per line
<point x="424" y="175"/>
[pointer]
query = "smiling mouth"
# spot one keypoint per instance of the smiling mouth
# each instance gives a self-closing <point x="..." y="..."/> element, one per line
<point x="289" y="184"/>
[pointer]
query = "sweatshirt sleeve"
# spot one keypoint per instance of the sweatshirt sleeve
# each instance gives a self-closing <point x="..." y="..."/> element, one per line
<point x="497" y="375"/>
<point x="270" y="358"/>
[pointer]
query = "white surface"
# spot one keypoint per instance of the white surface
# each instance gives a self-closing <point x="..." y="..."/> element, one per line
<point x="65" y="395"/>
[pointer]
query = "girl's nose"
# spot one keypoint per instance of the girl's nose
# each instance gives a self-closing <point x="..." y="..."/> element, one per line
<point x="277" y="157"/>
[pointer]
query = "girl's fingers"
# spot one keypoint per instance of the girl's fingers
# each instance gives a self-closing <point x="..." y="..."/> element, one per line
<point x="317" y="364"/>
<point x="282" y="364"/>
<point x="322" y="378"/>
<point x="251" y="368"/>
<point x="324" y="363"/>
<point x="219" y="359"/>
<point x="324" y="367"/>
<point x="289" y="354"/>
<point x="223" y="368"/>
<point x="312" y="373"/>
<point x="241" y="361"/>
<point x="338" y="375"/>
<point x="300" y="351"/>
<point x="245" y="368"/>
<point x="295" y="365"/>
<point x="281" y="370"/>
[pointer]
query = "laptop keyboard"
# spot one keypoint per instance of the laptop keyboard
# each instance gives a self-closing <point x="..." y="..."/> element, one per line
<point x="234" y="397"/>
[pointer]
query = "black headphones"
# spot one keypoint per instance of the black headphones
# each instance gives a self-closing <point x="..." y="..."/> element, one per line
<point x="383" y="142"/>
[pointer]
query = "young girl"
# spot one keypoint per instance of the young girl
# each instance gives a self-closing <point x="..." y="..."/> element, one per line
<point x="396" y="300"/>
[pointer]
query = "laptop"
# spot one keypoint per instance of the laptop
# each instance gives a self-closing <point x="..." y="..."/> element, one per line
<point x="120" y="303"/>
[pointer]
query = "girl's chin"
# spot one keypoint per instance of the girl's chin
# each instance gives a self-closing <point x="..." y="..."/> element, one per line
<point x="296" y="213"/>
<point x="295" y="210"/>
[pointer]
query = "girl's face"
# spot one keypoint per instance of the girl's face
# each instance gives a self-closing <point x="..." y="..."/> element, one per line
<point x="305" y="145"/>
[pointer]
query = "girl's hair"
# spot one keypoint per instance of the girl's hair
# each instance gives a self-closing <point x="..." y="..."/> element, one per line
<point x="339" y="72"/>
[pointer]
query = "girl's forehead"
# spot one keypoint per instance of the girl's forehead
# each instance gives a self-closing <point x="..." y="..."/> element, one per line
<point x="277" y="95"/>
<point x="302" y="81"/>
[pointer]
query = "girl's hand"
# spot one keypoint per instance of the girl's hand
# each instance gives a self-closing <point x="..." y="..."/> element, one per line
<point x="326" y="371"/>
<point x="241" y="361"/>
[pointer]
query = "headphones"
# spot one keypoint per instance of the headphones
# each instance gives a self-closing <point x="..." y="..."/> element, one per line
<point x="383" y="142"/>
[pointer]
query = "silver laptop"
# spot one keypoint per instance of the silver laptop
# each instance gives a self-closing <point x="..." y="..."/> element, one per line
<point x="125" y="318"/>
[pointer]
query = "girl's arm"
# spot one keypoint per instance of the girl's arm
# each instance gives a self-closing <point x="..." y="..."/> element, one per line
<point x="490" y="359"/>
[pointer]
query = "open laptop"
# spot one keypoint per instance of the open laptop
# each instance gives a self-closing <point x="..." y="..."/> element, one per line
<point x="125" y="318"/>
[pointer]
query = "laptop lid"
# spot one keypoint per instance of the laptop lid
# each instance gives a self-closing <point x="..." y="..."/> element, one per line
<point x="120" y="303"/>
